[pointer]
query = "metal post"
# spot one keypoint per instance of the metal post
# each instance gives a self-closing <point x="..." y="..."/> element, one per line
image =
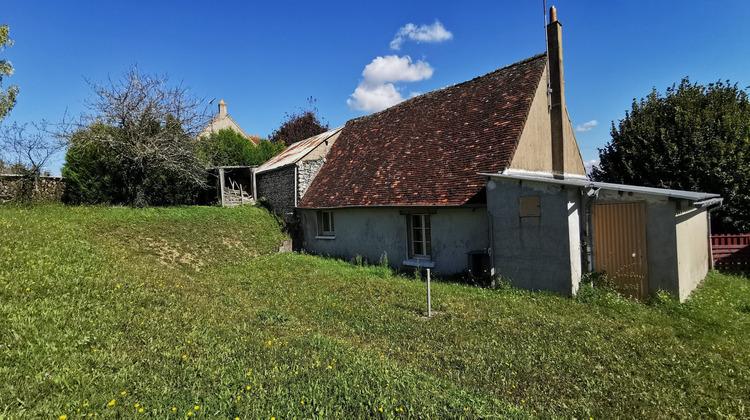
<point x="429" y="299"/>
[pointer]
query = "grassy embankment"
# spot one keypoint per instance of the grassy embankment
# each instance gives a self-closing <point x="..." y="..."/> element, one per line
<point x="187" y="312"/>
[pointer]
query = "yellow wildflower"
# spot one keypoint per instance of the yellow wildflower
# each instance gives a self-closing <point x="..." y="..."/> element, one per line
<point x="111" y="403"/>
<point x="63" y="417"/>
<point x="140" y="410"/>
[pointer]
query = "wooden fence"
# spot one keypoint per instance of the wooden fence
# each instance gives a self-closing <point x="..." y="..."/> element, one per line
<point x="731" y="252"/>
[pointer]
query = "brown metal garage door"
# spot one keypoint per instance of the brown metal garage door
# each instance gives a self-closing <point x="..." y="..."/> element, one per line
<point x="620" y="246"/>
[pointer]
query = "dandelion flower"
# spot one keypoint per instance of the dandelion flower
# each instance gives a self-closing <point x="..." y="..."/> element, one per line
<point x="111" y="403"/>
<point x="184" y="356"/>
<point x="190" y="413"/>
<point x="63" y="417"/>
<point x="174" y="408"/>
<point x="137" y="405"/>
<point x="123" y="393"/>
<point x="140" y="410"/>
<point x="196" y="407"/>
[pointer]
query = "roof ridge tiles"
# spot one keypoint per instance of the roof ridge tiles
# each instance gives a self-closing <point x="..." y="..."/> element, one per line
<point x="444" y="88"/>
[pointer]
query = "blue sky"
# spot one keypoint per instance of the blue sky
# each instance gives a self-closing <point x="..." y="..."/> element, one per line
<point x="265" y="58"/>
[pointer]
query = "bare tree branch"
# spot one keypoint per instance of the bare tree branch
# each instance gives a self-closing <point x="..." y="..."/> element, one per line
<point x="31" y="148"/>
<point x="154" y="127"/>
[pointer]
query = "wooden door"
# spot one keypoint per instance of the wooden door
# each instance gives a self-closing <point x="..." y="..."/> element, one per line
<point x="620" y="246"/>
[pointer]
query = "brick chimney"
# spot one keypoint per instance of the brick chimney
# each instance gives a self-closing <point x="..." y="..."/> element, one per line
<point x="222" y="107"/>
<point x="556" y="92"/>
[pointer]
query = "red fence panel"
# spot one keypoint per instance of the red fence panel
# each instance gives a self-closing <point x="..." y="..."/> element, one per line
<point x="731" y="252"/>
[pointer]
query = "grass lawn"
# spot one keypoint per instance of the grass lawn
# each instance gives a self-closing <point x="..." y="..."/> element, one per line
<point x="189" y="313"/>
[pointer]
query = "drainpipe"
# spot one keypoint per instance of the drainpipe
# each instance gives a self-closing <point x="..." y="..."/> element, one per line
<point x="296" y="185"/>
<point x="591" y="194"/>
<point x="255" y="185"/>
<point x="712" y="205"/>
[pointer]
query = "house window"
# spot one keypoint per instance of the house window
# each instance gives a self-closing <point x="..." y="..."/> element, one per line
<point x="325" y="223"/>
<point x="420" y="244"/>
<point x="529" y="206"/>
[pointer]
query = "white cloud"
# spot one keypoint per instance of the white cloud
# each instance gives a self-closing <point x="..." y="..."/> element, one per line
<point x="587" y="126"/>
<point x="425" y="33"/>
<point x="393" y="68"/>
<point x="369" y="97"/>
<point x="376" y="91"/>
<point x="589" y="165"/>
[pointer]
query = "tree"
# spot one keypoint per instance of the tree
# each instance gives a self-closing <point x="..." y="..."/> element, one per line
<point x="265" y="150"/>
<point x="92" y="173"/>
<point x="299" y="126"/>
<point x="8" y="97"/>
<point x="693" y="138"/>
<point x="148" y="130"/>
<point x="30" y="151"/>
<point x="230" y="148"/>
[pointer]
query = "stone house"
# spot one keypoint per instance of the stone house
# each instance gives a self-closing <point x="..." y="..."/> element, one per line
<point x="283" y="180"/>
<point x="222" y="120"/>
<point x="487" y="176"/>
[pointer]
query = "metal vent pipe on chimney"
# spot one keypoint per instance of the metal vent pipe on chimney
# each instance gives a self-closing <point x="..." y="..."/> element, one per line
<point x="557" y="93"/>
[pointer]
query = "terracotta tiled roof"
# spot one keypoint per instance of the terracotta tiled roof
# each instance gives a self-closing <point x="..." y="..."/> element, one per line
<point x="427" y="151"/>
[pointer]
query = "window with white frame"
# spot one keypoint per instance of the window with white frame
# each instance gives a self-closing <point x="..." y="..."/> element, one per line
<point x="325" y="223"/>
<point x="420" y="244"/>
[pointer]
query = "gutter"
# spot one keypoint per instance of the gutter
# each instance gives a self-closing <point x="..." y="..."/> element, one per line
<point x="716" y="203"/>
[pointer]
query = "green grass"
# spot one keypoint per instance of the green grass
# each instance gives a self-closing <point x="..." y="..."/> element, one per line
<point x="185" y="307"/>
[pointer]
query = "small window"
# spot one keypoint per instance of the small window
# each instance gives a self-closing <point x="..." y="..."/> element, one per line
<point x="325" y="223"/>
<point x="420" y="244"/>
<point x="529" y="206"/>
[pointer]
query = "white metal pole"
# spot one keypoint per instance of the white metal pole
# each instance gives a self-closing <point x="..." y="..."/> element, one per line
<point x="429" y="299"/>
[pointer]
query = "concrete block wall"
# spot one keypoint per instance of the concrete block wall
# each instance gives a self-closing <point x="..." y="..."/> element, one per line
<point x="540" y="252"/>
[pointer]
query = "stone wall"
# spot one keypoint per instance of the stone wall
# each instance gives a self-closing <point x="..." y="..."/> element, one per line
<point x="277" y="188"/>
<point x="49" y="188"/>
<point x="306" y="173"/>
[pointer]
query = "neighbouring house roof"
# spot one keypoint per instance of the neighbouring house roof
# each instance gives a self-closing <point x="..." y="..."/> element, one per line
<point x="694" y="196"/>
<point x="428" y="150"/>
<point x="222" y="120"/>
<point x="297" y="151"/>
